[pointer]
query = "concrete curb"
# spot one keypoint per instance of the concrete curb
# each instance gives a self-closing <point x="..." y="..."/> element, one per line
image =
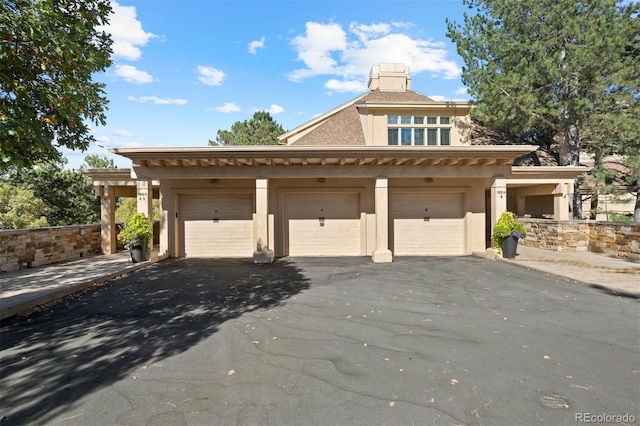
<point x="27" y="305"/>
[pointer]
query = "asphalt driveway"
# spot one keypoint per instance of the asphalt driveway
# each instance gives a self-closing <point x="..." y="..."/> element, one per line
<point x="325" y="341"/>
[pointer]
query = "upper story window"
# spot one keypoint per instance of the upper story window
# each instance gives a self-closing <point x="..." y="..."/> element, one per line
<point x="418" y="130"/>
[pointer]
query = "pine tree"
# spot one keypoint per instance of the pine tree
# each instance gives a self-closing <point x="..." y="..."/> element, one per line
<point x="545" y="66"/>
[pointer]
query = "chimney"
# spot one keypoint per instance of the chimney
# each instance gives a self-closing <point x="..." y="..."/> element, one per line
<point x="390" y="78"/>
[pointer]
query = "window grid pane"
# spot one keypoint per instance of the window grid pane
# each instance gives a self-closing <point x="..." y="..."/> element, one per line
<point x="418" y="120"/>
<point x="432" y="136"/>
<point x="392" y="119"/>
<point x="392" y="136"/>
<point x="445" y="137"/>
<point x="418" y="136"/>
<point x="432" y="120"/>
<point x="405" y="119"/>
<point x="445" y="120"/>
<point x="406" y="136"/>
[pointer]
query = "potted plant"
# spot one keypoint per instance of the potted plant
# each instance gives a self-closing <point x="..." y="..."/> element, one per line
<point x="506" y="234"/>
<point x="135" y="236"/>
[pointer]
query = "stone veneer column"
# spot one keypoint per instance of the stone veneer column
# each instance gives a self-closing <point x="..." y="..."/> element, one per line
<point x="382" y="254"/>
<point x="498" y="199"/>
<point x="261" y="223"/>
<point x="107" y="219"/>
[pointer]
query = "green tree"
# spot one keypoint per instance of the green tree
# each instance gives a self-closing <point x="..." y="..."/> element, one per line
<point x="67" y="194"/>
<point x="96" y="161"/>
<point x="127" y="207"/>
<point x="20" y="208"/>
<point x="614" y="123"/>
<point x="49" y="51"/>
<point x="543" y="67"/>
<point x="262" y="129"/>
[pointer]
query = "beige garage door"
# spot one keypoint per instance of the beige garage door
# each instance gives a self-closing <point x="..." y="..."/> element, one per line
<point x="426" y="224"/>
<point x="218" y="225"/>
<point x="322" y="224"/>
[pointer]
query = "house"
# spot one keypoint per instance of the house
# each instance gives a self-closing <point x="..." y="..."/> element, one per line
<point x="389" y="173"/>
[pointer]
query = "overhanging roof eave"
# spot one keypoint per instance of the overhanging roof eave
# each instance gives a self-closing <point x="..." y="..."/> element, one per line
<point x="540" y="172"/>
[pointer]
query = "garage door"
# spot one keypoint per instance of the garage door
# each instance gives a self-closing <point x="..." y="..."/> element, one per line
<point x="426" y="224"/>
<point x="216" y="225"/>
<point x="322" y="224"/>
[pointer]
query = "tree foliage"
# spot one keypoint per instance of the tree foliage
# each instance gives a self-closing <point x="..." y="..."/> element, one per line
<point x="545" y="68"/>
<point x="20" y="208"/>
<point x="127" y="207"/>
<point x="68" y="195"/>
<point x="262" y="129"/>
<point x="95" y="161"/>
<point x="49" y="50"/>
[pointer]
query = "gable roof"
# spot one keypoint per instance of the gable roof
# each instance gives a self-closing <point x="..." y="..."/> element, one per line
<point x="377" y="96"/>
<point x="342" y="126"/>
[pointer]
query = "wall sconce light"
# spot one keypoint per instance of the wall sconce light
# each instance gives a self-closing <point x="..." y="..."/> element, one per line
<point x="81" y="231"/>
<point x="321" y="220"/>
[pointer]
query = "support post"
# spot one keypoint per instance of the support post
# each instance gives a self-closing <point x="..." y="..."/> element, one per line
<point x="382" y="254"/>
<point x="561" y="201"/>
<point x="498" y="200"/>
<point x="144" y="192"/>
<point x="261" y="223"/>
<point x="107" y="219"/>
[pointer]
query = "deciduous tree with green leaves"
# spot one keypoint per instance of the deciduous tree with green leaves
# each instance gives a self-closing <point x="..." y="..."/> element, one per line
<point x="545" y="67"/>
<point x="262" y="129"/>
<point x="20" y="208"/>
<point x="68" y="195"/>
<point x="95" y="161"/>
<point x="49" y="51"/>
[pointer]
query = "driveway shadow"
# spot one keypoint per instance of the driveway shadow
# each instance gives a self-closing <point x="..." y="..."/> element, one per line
<point x="51" y="359"/>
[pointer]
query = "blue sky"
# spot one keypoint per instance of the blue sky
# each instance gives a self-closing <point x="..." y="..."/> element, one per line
<point x="184" y="69"/>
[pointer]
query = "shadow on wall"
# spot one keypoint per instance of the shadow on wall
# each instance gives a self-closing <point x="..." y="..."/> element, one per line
<point x="53" y="358"/>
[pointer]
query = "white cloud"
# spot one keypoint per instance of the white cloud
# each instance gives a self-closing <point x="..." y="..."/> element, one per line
<point x="103" y="139"/>
<point x="315" y="49"/>
<point x="327" y="49"/>
<point x="346" y="86"/>
<point x="275" y="109"/>
<point x="461" y="91"/>
<point x="210" y="76"/>
<point x="255" y="45"/>
<point x="364" y="32"/>
<point x="438" y="98"/>
<point x="131" y="74"/>
<point x="126" y="32"/>
<point x="228" y="107"/>
<point x="123" y="133"/>
<point x="158" y="101"/>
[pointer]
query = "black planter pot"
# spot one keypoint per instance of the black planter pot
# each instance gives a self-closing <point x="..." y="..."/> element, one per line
<point x="137" y="254"/>
<point x="509" y="247"/>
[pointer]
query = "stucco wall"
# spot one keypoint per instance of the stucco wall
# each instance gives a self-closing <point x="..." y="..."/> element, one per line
<point x="610" y="238"/>
<point x="23" y="248"/>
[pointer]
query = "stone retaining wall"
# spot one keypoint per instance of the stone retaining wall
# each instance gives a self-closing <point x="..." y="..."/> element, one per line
<point x="27" y="248"/>
<point x="615" y="239"/>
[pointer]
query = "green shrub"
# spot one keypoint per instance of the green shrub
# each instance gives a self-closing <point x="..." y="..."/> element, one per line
<point x="137" y="232"/>
<point x="621" y="217"/>
<point x="507" y="226"/>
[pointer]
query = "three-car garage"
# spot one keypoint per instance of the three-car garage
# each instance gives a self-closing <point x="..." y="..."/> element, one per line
<point x="330" y="221"/>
